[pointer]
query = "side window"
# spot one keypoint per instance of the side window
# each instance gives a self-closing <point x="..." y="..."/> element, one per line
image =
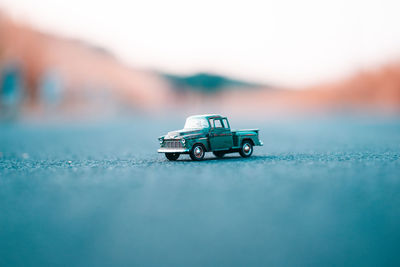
<point x="226" y="125"/>
<point x="218" y="124"/>
<point x="211" y="123"/>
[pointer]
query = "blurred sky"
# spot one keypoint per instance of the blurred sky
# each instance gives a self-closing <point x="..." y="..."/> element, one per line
<point x="289" y="43"/>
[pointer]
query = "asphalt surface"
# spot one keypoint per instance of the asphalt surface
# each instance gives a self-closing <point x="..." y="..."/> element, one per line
<point x="320" y="192"/>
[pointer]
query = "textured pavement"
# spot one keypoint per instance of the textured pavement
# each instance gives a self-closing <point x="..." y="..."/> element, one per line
<point x="319" y="192"/>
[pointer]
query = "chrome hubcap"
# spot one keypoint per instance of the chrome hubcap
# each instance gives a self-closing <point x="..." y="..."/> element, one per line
<point x="198" y="152"/>
<point x="246" y="148"/>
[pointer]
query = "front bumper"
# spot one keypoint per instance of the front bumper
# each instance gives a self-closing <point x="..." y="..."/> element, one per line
<point x="172" y="150"/>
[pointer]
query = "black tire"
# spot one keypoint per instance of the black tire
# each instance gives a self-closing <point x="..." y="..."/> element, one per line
<point x="246" y="149"/>
<point x="172" y="156"/>
<point x="197" y="153"/>
<point x="219" y="154"/>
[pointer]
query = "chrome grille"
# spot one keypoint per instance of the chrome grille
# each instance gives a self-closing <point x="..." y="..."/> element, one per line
<point x="173" y="144"/>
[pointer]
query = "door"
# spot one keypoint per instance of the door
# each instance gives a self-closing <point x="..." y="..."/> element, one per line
<point x="220" y="135"/>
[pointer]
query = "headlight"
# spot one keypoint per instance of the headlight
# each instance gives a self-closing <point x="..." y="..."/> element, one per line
<point x="161" y="140"/>
<point x="183" y="140"/>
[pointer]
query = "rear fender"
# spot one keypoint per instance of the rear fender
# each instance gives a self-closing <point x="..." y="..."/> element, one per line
<point x="252" y="136"/>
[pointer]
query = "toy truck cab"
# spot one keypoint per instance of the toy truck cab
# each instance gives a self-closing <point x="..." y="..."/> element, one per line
<point x="208" y="133"/>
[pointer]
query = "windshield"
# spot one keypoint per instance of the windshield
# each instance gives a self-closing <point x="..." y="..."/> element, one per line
<point x="196" y="123"/>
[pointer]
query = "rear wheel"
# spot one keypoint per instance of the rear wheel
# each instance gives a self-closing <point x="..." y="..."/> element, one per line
<point x="246" y="150"/>
<point x="172" y="156"/>
<point x="197" y="153"/>
<point x="219" y="154"/>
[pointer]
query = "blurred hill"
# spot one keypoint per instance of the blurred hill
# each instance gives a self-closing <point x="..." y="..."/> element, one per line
<point x="207" y="83"/>
<point x="44" y="74"/>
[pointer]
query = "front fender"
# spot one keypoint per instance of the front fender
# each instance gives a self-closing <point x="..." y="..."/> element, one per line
<point x="201" y="140"/>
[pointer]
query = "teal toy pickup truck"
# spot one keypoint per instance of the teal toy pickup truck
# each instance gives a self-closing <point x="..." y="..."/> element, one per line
<point x="208" y="133"/>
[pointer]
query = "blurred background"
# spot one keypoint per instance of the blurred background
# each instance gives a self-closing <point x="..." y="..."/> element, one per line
<point x="92" y="58"/>
<point x="87" y="86"/>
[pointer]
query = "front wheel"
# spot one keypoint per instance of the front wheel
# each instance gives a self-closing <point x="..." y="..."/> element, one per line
<point x="197" y="152"/>
<point x="172" y="156"/>
<point x="246" y="150"/>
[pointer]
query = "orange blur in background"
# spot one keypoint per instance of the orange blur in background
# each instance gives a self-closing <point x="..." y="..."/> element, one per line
<point x="43" y="75"/>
